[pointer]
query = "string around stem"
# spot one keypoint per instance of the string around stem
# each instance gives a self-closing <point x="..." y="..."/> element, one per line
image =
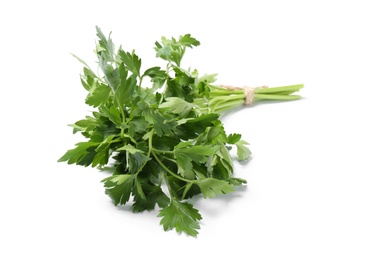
<point x="249" y="92"/>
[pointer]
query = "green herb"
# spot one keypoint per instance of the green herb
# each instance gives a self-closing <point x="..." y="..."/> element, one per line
<point x="163" y="143"/>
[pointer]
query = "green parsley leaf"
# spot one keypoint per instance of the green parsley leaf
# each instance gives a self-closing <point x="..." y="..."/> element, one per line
<point x="136" y="161"/>
<point x="233" y="138"/>
<point x="185" y="153"/>
<point x="132" y="61"/>
<point x="102" y="152"/>
<point x="189" y="41"/>
<point x="161" y="124"/>
<point x="119" y="187"/>
<point x="211" y="187"/>
<point x="98" y="94"/>
<point x="181" y="216"/>
<point x="155" y="72"/>
<point x="153" y="195"/>
<point x="105" y="45"/>
<point x="243" y="151"/>
<point x="173" y="50"/>
<point x="177" y="106"/>
<point x="129" y="148"/>
<point x="112" y="113"/>
<point x="76" y="155"/>
<point x="125" y="92"/>
<point x="85" y="125"/>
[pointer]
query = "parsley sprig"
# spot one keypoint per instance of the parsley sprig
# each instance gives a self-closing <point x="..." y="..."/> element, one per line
<point x="163" y="143"/>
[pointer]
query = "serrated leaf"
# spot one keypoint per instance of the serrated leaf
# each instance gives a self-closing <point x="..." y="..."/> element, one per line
<point x="181" y="216"/>
<point x="161" y="125"/>
<point x="173" y="50"/>
<point x="185" y="154"/>
<point x="129" y="148"/>
<point x="102" y="152"/>
<point x="137" y="125"/>
<point x="211" y="187"/>
<point x="177" y="106"/>
<point x="111" y="74"/>
<point x="201" y="122"/>
<point x="105" y="45"/>
<point x="233" y="138"/>
<point x="119" y="187"/>
<point x="98" y="94"/>
<point x="132" y="61"/>
<point x="74" y="156"/>
<point x="174" y="89"/>
<point x="189" y="41"/>
<point x="112" y="114"/>
<point x="85" y="125"/>
<point x="136" y="161"/>
<point x="124" y="93"/>
<point x="243" y="151"/>
<point x="155" y="72"/>
<point x="182" y="77"/>
<point x="164" y="52"/>
<point x="153" y="195"/>
<point x="176" y="56"/>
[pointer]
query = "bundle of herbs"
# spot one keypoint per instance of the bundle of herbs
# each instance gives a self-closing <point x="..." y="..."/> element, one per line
<point x="165" y="143"/>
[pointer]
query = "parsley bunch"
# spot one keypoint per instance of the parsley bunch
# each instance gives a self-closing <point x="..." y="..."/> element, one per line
<point x="165" y="143"/>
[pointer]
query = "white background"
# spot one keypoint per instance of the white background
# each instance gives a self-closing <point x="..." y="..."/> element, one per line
<point x="311" y="181"/>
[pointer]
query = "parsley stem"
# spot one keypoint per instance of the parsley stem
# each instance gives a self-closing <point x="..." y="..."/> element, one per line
<point x="275" y="97"/>
<point x="162" y="151"/>
<point x="122" y="115"/>
<point x="151" y="142"/>
<point x="222" y="99"/>
<point x="168" y="170"/>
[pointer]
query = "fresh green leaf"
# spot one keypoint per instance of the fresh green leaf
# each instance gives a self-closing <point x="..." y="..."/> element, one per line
<point x="233" y="138"/>
<point x="124" y="93"/>
<point x="161" y="124"/>
<point x="77" y="154"/>
<point x="99" y="94"/>
<point x="136" y="161"/>
<point x="132" y="61"/>
<point x="189" y="41"/>
<point x="111" y="74"/>
<point x="119" y="187"/>
<point x="183" y="77"/>
<point x="112" y="113"/>
<point x="153" y="195"/>
<point x="105" y="45"/>
<point x="155" y="72"/>
<point x="85" y="125"/>
<point x="185" y="153"/>
<point x="129" y="148"/>
<point x="173" y="50"/>
<point x="102" y="152"/>
<point x="211" y="187"/>
<point x="243" y="151"/>
<point x="181" y="216"/>
<point x="177" y="106"/>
